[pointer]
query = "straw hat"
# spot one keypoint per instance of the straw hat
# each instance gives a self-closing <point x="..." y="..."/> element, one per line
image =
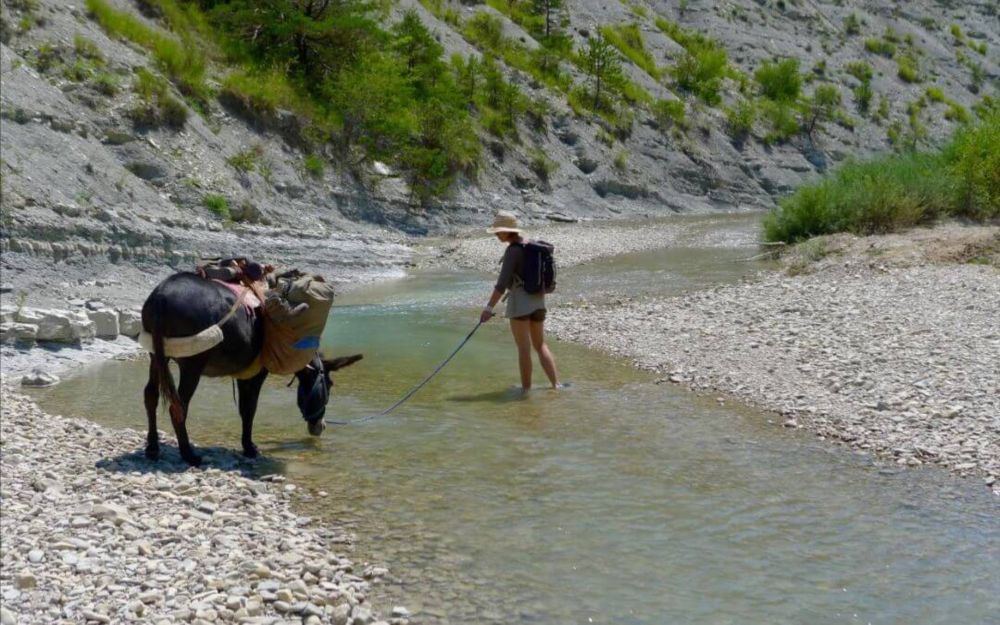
<point x="505" y="221"/>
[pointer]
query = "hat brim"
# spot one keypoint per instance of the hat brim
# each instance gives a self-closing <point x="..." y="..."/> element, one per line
<point x="503" y="229"/>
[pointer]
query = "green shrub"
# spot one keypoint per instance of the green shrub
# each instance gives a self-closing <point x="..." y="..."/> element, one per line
<point x="86" y="48"/>
<point x="863" y="94"/>
<point x="669" y="113"/>
<point x="908" y="68"/>
<point x="884" y="108"/>
<point x="986" y="107"/>
<point x="740" y="120"/>
<point x="700" y="71"/>
<point x="628" y="39"/>
<point x="156" y="106"/>
<point x="881" y="47"/>
<point x="935" y="94"/>
<point x="541" y="164"/>
<point x="780" y="81"/>
<point x="173" y="112"/>
<point x="703" y="66"/>
<point x="47" y="56"/>
<point x="621" y="162"/>
<point x="929" y="23"/>
<point x="246" y="160"/>
<point x="313" y="165"/>
<point x="782" y="123"/>
<point x="106" y="83"/>
<point x="956" y="32"/>
<point x="486" y="29"/>
<point x="182" y="61"/>
<point x="852" y="25"/>
<point x="957" y="113"/>
<point x="860" y="70"/>
<point x="974" y="160"/>
<point x="218" y="205"/>
<point x="898" y="191"/>
<point x="79" y="71"/>
<point x="823" y="106"/>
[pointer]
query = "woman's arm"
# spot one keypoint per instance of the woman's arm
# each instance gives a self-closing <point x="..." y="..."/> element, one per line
<point x="504" y="282"/>
<point x="487" y="313"/>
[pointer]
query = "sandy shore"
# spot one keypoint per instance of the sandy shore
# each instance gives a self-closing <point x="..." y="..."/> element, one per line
<point x="92" y="532"/>
<point x="880" y="343"/>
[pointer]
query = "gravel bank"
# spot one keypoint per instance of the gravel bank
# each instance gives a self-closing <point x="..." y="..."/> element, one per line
<point x="901" y="361"/>
<point x="94" y="533"/>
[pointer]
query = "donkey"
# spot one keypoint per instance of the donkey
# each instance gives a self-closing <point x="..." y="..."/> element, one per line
<point x="184" y="305"/>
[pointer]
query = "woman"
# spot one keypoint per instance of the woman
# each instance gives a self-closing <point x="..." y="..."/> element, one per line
<point x="526" y="311"/>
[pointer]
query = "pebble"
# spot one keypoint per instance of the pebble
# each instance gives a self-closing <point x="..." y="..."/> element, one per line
<point x="161" y="566"/>
<point x="26" y="580"/>
<point x="890" y="361"/>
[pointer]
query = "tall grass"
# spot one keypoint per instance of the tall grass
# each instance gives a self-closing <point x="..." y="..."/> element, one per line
<point x="899" y="191"/>
<point x="183" y="63"/>
<point x="628" y="39"/>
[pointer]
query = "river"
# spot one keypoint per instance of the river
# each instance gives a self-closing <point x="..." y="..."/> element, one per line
<point x="617" y="500"/>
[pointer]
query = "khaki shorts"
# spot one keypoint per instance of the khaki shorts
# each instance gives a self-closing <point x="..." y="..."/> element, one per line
<point x="538" y="315"/>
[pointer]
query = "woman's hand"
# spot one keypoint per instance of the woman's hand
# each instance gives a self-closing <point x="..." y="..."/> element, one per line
<point x="486" y="315"/>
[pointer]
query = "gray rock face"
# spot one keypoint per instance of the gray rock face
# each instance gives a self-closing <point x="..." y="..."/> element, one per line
<point x="130" y="322"/>
<point x="81" y="183"/>
<point x="14" y="331"/>
<point x="39" y="378"/>
<point x="105" y="323"/>
<point x="59" y="326"/>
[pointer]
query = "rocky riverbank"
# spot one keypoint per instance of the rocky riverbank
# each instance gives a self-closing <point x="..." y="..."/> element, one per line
<point x="93" y="533"/>
<point x="886" y="344"/>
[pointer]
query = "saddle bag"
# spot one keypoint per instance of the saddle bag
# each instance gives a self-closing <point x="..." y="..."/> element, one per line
<point x="295" y="314"/>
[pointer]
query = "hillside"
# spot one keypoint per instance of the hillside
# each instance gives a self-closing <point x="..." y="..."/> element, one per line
<point x="147" y="132"/>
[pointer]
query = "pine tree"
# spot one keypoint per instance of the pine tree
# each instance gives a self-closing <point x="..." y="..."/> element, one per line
<point x="602" y="63"/>
<point x="550" y="12"/>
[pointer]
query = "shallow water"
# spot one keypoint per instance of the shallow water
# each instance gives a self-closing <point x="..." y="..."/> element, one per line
<point x="615" y="501"/>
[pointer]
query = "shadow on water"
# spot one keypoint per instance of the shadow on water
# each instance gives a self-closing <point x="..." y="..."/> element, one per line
<point x="494" y="397"/>
<point x="170" y="462"/>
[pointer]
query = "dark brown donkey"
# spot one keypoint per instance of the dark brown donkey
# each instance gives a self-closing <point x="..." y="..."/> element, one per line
<point x="184" y="305"/>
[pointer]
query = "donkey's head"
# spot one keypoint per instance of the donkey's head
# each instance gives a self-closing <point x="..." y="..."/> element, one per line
<point x="315" y="385"/>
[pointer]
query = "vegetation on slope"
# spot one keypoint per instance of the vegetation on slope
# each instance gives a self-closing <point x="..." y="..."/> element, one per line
<point x="901" y="190"/>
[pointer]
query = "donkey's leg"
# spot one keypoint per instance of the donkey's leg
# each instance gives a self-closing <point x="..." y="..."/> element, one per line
<point x="249" y="394"/>
<point x="151" y="395"/>
<point x="191" y="370"/>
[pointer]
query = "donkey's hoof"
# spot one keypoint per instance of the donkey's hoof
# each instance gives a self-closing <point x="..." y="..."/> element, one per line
<point x="192" y="458"/>
<point x="153" y="452"/>
<point x="250" y="451"/>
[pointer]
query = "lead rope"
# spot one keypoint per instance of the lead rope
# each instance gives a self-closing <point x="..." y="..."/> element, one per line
<point x="413" y="390"/>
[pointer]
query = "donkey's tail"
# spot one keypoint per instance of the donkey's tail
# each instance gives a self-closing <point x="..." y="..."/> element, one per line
<point x="168" y="390"/>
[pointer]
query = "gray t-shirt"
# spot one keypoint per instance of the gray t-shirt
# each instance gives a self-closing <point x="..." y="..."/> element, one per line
<point x="519" y="301"/>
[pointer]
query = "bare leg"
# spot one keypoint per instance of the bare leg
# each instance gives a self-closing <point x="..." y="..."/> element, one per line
<point x="521" y="330"/>
<point x="544" y="355"/>
<point x="151" y="395"/>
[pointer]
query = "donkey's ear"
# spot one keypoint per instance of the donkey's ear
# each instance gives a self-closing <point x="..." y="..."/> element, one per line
<point x="340" y="363"/>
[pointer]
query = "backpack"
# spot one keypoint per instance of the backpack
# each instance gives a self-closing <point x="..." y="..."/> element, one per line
<point x="295" y="314"/>
<point x="539" y="270"/>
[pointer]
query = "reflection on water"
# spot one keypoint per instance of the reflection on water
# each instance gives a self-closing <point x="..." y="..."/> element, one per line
<point x="615" y="501"/>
